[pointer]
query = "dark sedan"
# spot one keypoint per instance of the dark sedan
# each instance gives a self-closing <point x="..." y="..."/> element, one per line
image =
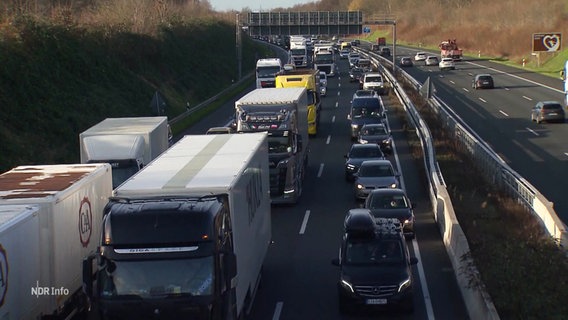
<point x="392" y="203"/>
<point x="359" y="153"/>
<point x="406" y="62"/>
<point x="355" y="74"/>
<point x="482" y="81"/>
<point x="377" y="133"/>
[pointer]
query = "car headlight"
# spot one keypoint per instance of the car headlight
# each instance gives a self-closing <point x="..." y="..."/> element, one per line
<point x="345" y="284"/>
<point x="354" y="126"/>
<point x="363" y="141"/>
<point x="387" y="141"/>
<point x="350" y="166"/>
<point x="360" y="186"/>
<point x="404" y="284"/>
<point x="393" y="185"/>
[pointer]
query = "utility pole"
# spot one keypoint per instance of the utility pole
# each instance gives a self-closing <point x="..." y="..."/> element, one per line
<point x="238" y="45"/>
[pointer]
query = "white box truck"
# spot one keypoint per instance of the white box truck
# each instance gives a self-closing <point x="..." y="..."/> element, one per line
<point x="128" y="144"/>
<point x="50" y="220"/>
<point x="186" y="237"/>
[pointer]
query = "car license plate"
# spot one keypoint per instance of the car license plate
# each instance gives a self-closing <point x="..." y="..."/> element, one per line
<point x="376" y="301"/>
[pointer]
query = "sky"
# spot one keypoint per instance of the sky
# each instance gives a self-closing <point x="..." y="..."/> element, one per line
<point x="255" y="5"/>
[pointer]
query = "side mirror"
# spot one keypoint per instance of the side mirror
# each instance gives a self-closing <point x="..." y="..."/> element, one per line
<point x="413" y="261"/>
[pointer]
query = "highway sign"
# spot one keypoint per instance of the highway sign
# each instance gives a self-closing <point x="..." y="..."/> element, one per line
<point x="547" y="42"/>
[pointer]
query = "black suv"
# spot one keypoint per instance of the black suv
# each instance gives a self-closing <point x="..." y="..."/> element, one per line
<point x="375" y="265"/>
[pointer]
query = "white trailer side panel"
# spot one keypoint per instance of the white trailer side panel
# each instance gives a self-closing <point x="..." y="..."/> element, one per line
<point x="71" y="199"/>
<point x="20" y="263"/>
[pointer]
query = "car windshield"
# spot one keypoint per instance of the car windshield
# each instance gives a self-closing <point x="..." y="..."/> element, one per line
<point x="376" y="130"/>
<point x="380" y="170"/>
<point x="365" y="153"/>
<point x="387" y="201"/>
<point x="153" y="278"/>
<point x="374" y="251"/>
<point x="373" y="79"/>
<point x="369" y="112"/>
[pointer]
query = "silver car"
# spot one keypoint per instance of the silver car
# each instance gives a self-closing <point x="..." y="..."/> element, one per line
<point x="375" y="174"/>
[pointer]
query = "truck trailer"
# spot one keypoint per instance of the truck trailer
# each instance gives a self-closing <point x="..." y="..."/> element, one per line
<point x="128" y="144"/>
<point x="51" y="217"/>
<point x="282" y="112"/>
<point x="186" y="237"/>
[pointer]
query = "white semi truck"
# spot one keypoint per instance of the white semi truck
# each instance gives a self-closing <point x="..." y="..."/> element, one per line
<point x="283" y="113"/>
<point x="266" y="71"/>
<point x="51" y="217"/>
<point x="186" y="237"/>
<point x="128" y="144"/>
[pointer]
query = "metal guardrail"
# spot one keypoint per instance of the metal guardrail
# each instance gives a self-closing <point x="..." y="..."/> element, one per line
<point x="207" y="102"/>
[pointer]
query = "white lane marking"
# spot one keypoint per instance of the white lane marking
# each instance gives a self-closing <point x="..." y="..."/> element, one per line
<point x="320" y="171"/>
<point x="507" y="89"/>
<point x="527" y="98"/>
<point x="305" y="222"/>
<point x="566" y="154"/>
<point x="328" y="139"/>
<point x="333" y="119"/>
<point x="465" y="89"/>
<point x="533" y="132"/>
<point x="337" y="102"/>
<point x="423" y="283"/>
<point x="277" y="310"/>
<point x="483" y="100"/>
<point x="503" y="113"/>
<point x="452" y="82"/>
<point x="338" y="93"/>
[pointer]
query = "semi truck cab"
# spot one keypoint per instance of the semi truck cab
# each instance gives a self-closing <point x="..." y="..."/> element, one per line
<point x="159" y="254"/>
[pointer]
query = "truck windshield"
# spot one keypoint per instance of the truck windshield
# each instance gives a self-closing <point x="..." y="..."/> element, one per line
<point x="267" y="72"/>
<point x="298" y="52"/>
<point x="119" y="175"/>
<point x="152" y="278"/>
<point x="324" y="58"/>
<point x="279" y="144"/>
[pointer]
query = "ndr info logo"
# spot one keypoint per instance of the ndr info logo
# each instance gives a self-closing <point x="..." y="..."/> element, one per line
<point x="48" y="291"/>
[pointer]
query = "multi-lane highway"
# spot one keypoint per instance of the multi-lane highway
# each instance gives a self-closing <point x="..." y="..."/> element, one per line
<point x="501" y="117"/>
<point x="299" y="281"/>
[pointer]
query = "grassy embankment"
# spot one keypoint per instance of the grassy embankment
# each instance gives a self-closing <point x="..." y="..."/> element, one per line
<point x="60" y="77"/>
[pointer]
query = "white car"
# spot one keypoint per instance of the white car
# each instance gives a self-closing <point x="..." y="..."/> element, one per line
<point x="447" y="63"/>
<point x="420" y="56"/>
<point x="431" y="61"/>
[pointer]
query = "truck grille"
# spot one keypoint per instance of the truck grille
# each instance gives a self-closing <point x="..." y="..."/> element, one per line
<point x="376" y="291"/>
